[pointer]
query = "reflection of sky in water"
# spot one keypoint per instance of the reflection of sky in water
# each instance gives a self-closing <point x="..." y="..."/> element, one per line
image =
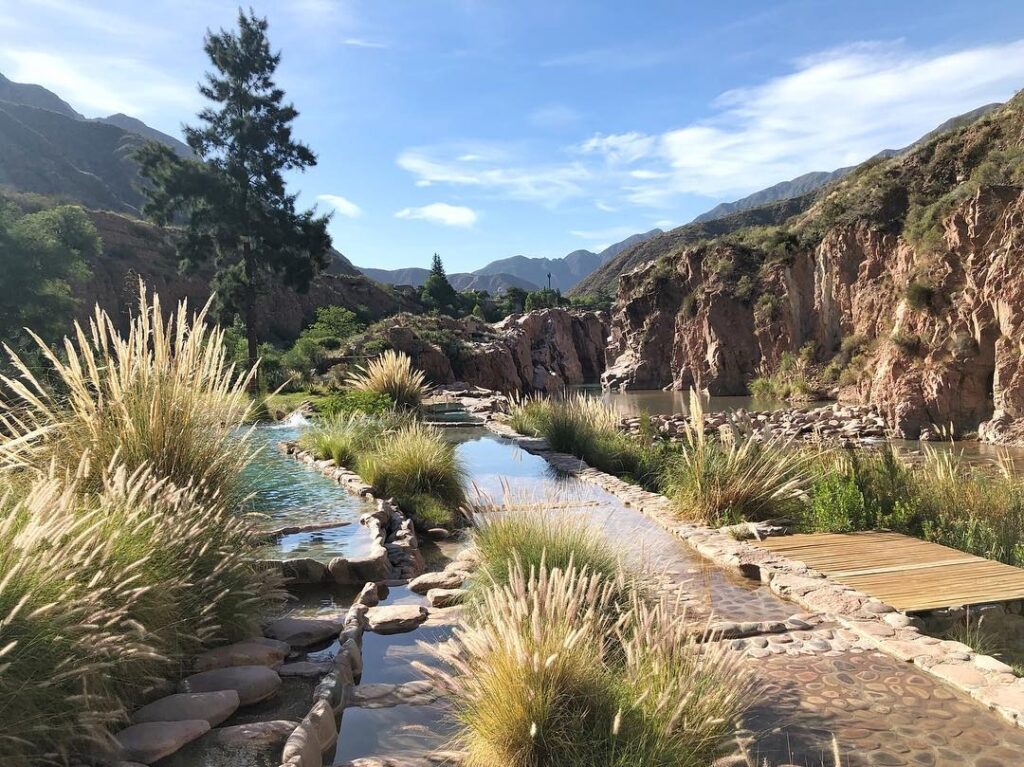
<point x="290" y="493"/>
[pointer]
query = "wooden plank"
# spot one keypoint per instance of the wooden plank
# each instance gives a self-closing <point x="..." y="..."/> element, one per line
<point x="908" y="573"/>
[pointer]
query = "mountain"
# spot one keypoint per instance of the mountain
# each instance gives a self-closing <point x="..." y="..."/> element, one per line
<point x="48" y="148"/>
<point x="898" y="285"/>
<point x="492" y="283"/>
<point x="798" y="194"/>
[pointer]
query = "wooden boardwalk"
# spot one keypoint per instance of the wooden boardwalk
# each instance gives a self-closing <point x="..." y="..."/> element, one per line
<point x="907" y="573"/>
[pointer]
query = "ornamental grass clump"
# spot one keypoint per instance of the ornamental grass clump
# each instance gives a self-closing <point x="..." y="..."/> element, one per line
<point x="164" y="396"/>
<point x="509" y="533"/>
<point x="417" y="467"/>
<point x="393" y="375"/>
<point x="736" y="478"/>
<point x="548" y="670"/>
<point x="344" y="437"/>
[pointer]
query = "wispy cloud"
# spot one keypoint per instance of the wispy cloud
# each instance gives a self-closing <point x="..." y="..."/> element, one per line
<point x="494" y="170"/>
<point x="358" y="42"/>
<point x="441" y="213"/>
<point x="87" y="82"/>
<point x="615" y="58"/>
<point x="342" y="205"/>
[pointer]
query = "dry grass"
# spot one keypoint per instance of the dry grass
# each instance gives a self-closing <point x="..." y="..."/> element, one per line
<point x="549" y="671"/>
<point x="164" y="396"/>
<point x="392" y="374"/>
<point x="736" y="478"/>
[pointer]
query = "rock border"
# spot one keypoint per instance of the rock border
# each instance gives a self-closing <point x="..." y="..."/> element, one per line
<point x="982" y="677"/>
<point x="394" y="553"/>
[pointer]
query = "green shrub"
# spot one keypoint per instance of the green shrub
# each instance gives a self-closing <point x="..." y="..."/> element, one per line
<point x="920" y="295"/>
<point x="353" y="401"/>
<point x="413" y="461"/>
<point x="908" y="342"/>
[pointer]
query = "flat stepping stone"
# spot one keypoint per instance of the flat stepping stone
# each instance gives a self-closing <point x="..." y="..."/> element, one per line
<point x="242" y="745"/>
<point x="395" y="619"/>
<point x="305" y="668"/>
<point x="447" y="758"/>
<point x="253" y="734"/>
<point x="303" y="632"/>
<point x="213" y="707"/>
<point x="446" y="597"/>
<point x="440" y="580"/>
<point x="252" y="683"/>
<point x="151" y="741"/>
<point x="266" y="652"/>
<point x="418" y="693"/>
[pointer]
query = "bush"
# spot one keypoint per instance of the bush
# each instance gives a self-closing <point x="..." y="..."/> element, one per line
<point x="735" y="479"/>
<point x="920" y="295"/>
<point x="344" y="437"/>
<point x="392" y="374"/>
<point x="165" y="397"/>
<point x="348" y="402"/>
<point x="549" y="672"/>
<point x="907" y="342"/>
<point x="415" y="461"/>
<point x="533" y="538"/>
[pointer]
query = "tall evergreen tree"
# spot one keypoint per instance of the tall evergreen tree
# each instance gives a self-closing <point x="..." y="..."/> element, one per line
<point x="237" y="212"/>
<point x="437" y="293"/>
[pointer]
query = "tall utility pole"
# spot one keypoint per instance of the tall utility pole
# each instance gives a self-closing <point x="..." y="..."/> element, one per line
<point x="549" y="280"/>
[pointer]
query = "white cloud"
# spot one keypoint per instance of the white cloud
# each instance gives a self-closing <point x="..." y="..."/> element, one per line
<point x="493" y="169"/>
<point x="441" y="213"/>
<point x="342" y="205"/>
<point x="620" y="147"/>
<point x="836" y="108"/>
<point x="358" y="42"/>
<point x="83" y="82"/>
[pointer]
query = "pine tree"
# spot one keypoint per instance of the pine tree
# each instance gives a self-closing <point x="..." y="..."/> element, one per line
<point x="237" y="211"/>
<point x="437" y="293"/>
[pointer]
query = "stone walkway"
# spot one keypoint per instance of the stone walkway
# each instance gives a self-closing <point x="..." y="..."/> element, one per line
<point x="822" y="681"/>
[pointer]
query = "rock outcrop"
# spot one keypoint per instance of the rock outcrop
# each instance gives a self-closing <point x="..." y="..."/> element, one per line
<point x="907" y="278"/>
<point x="540" y="351"/>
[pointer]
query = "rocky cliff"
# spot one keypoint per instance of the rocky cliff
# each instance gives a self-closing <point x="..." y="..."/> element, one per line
<point x="541" y="351"/>
<point x="905" y="284"/>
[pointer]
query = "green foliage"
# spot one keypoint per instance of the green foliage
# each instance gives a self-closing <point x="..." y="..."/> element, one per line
<point x="392" y="375"/>
<point x="437" y="292"/>
<point x="790" y="380"/>
<point x="599" y="301"/>
<point x="909" y="343"/>
<point x="766" y="310"/>
<point x="237" y="211"/>
<point x="544" y="299"/>
<point x="920" y="295"/>
<point x="414" y="462"/>
<point x="41" y="253"/>
<point x="348" y="402"/>
<point x="334" y="322"/>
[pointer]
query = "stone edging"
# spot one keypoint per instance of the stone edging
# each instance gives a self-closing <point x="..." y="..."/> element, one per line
<point x="394" y="551"/>
<point x="984" y="678"/>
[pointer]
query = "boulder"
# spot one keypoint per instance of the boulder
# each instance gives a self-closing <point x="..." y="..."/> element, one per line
<point x="267" y="652"/>
<point x="446" y="597"/>
<point x="213" y="707"/>
<point x="395" y="619"/>
<point x="149" y="742"/>
<point x="303" y="632"/>
<point x="439" y="580"/>
<point x="252" y="683"/>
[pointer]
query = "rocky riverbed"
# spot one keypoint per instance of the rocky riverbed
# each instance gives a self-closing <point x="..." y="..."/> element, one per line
<point x="845" y="424"/>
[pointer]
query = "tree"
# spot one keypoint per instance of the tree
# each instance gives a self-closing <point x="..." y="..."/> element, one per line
<point x="40" y="255"/>
<point x="237" y="211"/>
<point x="437" y="293"/>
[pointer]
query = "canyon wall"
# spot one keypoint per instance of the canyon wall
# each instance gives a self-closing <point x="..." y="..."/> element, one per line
<point x="949" y="351"/>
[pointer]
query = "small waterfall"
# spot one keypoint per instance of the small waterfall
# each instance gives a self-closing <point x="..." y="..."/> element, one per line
<point x="295" y="421"/>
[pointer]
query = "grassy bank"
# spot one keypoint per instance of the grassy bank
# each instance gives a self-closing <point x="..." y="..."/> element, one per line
<point x="730" y="478"/>
<point x="401" y="458"/>
<point x="121" y="550"/>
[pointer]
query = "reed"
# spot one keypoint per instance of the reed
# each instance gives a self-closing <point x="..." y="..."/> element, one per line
<point x="392" y="374"/>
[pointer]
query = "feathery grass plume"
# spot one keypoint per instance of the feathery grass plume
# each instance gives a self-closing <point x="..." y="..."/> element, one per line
<point x="416" y="466"/>
<point x="345" y="436"/>
<point x="392" y="374"/>
<point x="736" y="478"/>
<point x="69" y="644"/>
<point x="165" y="397"/>
<point x="548" y="671"/>
<point x="589" y="428"/>
<point x="513" y="531"/>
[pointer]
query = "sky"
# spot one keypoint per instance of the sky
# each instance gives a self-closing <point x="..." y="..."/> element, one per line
<point x="481" y="129"/>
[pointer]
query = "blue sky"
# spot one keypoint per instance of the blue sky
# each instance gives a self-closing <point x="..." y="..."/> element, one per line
<point x="485" y="128"/>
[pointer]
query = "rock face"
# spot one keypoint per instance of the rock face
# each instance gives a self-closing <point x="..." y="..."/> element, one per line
<point x="543" y="350"/>
<point x="908" y="275"/>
